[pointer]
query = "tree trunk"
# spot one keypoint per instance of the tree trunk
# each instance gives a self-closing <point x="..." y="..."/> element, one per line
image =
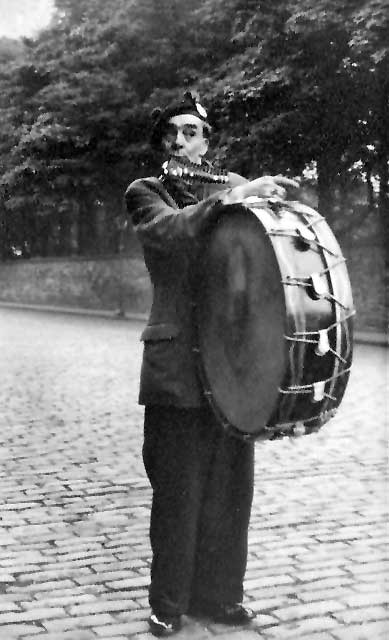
<point x="383" y="195"/>
<point x="326" y="181"/>
<point x="383" y="153"/>
<point x="65" y="244"/>
<point x="86" y="227"/>
<point x="4" y="239"/>
<point x="369" y="187"/>
<point x="44" y="237"/>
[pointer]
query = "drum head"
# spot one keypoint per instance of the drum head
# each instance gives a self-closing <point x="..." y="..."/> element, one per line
<point x="241" y="320"/>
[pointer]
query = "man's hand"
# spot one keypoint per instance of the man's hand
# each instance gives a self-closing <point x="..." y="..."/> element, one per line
<point x="264" y="187"/>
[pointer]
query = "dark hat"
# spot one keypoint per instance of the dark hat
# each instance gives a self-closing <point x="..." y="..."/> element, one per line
<point x="161" y="117"/>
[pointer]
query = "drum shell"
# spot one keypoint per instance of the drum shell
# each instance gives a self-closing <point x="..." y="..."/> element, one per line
<point x="300" y="318"/>
<point x="307" y="315"/>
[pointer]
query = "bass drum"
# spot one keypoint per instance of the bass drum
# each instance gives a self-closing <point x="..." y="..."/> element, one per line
<point x="274" y="319"/>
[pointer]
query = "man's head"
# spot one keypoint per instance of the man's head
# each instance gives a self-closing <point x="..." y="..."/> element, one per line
<point x="181" y="130"/>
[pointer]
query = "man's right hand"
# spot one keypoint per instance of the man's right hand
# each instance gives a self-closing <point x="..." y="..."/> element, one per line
<point x="263" y="187"/>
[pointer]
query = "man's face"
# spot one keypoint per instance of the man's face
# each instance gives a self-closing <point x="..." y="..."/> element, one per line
<point x="184" y="138"/>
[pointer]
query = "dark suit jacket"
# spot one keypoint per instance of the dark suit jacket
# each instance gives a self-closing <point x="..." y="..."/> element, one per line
<point x="170" y="238"/>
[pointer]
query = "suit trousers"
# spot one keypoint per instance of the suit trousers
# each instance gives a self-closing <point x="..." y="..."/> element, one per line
<point x="202" y="481"/>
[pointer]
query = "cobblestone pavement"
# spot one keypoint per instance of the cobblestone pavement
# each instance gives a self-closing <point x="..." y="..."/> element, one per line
<point x="74" y="500"/>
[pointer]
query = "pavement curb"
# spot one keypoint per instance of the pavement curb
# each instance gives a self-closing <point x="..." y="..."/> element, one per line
<point x="362" y="337"/>
<point x="98" y="313"/>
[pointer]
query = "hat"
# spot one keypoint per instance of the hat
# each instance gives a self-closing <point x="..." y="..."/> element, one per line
<point x="161" y="117"/>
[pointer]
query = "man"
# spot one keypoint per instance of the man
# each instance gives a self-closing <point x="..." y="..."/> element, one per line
<point x="202" y="478"/>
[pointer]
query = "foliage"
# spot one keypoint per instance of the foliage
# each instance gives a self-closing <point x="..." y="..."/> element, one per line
<point x="288" y="84"/>
<point x="10" y="49"/>
<point x="306" y="83"/>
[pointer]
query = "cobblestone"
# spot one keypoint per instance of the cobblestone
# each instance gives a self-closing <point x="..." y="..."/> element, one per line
<point x="9" y="631"/>
<point x="364" y="631"/>
<point x="74" y="499"/>
<point x="302" y="628"/>
<point x="76" y="622"/>
<point x="65" y="635"/>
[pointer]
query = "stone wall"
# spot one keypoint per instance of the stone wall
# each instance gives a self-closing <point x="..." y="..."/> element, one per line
<point x="109" y="283"/>
<point x="368" y="274"/>
<point x="114" y="283"/>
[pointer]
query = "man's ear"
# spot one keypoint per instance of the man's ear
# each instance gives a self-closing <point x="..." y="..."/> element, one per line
<point x="205" y="146"/>
<point x="207" y="130"/>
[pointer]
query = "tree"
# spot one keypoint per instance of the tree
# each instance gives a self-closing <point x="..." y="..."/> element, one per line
<point x="369" y="58"/>
<point x="295" y="86"/>
<point x="84" y="135"/>
<point x="290" y="85"/>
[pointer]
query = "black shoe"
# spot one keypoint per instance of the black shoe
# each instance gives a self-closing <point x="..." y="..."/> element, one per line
<point x="163" y="625"/>
<point x="233" y="614"/>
